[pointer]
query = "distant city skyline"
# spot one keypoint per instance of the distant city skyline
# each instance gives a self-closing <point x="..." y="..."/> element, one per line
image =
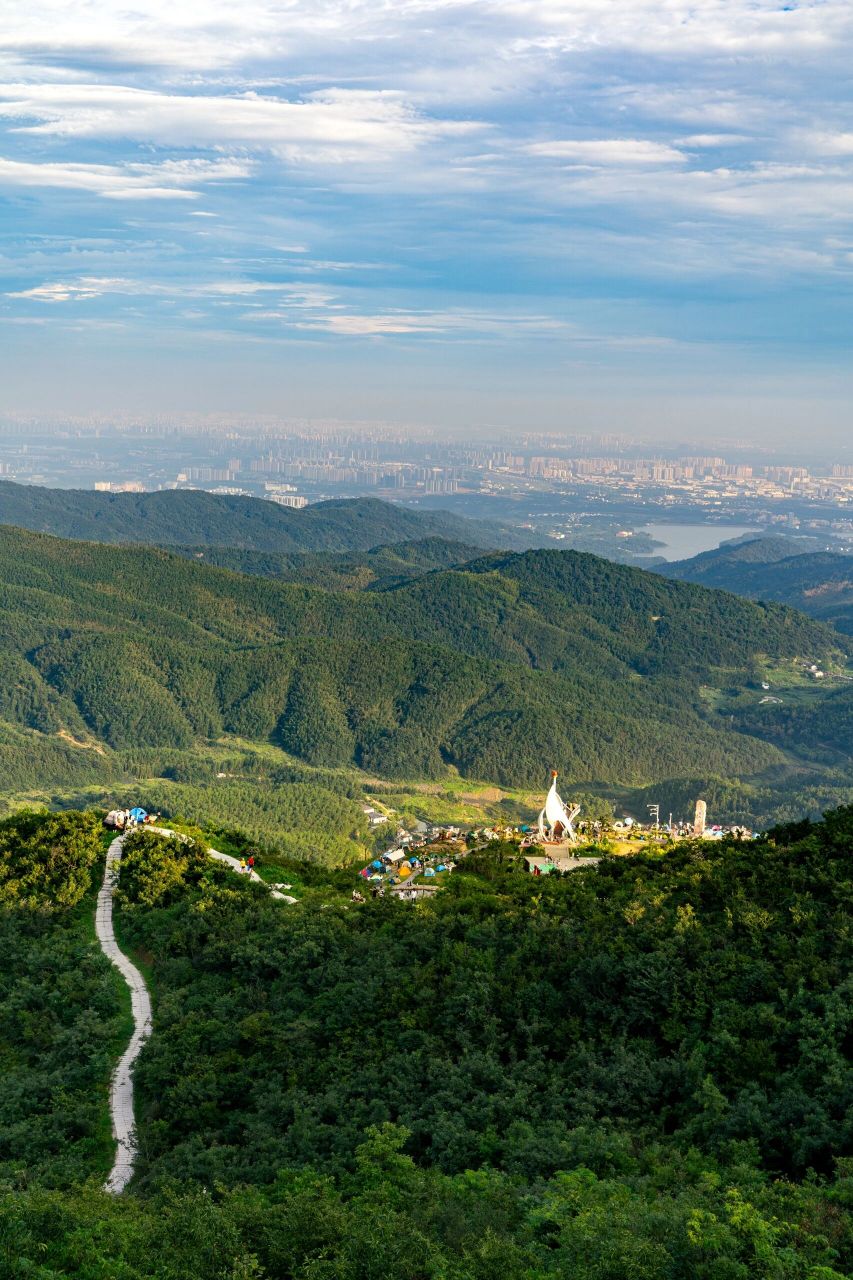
<point x="569" y="215"/>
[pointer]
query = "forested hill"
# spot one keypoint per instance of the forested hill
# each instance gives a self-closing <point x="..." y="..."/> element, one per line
<point x="818" y="582"/>
<point x="498" y="669"/>
<point x="377" y="569"/>
<point x="191" y="517"/>
<point x="636" y="1071"/>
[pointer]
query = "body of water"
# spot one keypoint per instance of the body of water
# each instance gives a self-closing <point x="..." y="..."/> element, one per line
<point x="680" y="541"/>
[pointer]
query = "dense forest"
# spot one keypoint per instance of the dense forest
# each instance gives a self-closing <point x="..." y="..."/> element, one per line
<point x="634" y="1070"/>
<point x="496" y="669"/>
<point x="64" y="1012"/>
<point x="818" y="582"/>
<point x="192" y="517"/>
<point x="373" y="570"/>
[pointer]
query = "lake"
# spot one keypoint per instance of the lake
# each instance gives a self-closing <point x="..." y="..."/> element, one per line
<point x="680" y="541"/>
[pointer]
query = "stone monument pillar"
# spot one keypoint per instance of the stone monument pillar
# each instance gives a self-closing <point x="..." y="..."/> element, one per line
<point x="699" y="818"/>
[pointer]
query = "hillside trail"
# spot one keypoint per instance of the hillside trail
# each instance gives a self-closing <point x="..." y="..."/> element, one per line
<point x="121" y="1085"/>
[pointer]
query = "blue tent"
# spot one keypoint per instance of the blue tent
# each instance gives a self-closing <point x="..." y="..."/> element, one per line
<point x="429" y="872"/>
<point x="137" y="814"/>
<point x="377" y="864"/>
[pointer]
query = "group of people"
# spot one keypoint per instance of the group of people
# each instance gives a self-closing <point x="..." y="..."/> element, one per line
<point x="376" y="891"/>
<point x="247" y="865"/>
<point x="129" y="819"/>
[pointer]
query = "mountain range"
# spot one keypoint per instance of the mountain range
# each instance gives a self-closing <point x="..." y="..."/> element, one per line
<point x="194" y="518"/>
<point x="497" y="668"/>
<point x="818" y="582"/>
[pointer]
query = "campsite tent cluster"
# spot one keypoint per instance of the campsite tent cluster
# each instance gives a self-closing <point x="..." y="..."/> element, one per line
<point x="398" y="865"/>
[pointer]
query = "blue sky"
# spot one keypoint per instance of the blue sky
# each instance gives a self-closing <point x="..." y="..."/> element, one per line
<point x="630" y="214"/>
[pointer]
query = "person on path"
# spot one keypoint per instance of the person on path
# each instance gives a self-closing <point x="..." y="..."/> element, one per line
<point x="251" y="862"/>
<point x="243" y="867"/>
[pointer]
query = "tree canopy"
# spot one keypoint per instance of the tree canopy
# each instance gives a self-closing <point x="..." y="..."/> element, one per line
<point x="637" y="1069"/>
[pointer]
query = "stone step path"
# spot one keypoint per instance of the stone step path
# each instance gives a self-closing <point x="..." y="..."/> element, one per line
<point x="121" y="1086"/>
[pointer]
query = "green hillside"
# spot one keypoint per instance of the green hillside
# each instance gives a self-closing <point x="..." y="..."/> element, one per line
<point x="64" y="1010"/>
<point x="376" y="569"/>
<point x="497" y="670"/>
<point x="766" y="549"/>
<point x="195" y="518"/>
<point x="636" y="1070"/>
<point x="819" y="583"/>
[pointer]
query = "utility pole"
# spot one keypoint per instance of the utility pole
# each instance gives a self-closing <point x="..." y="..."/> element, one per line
<point x="654" y="812"/>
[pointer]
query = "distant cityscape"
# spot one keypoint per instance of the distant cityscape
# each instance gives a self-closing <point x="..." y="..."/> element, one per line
<point x="606" y="493"/>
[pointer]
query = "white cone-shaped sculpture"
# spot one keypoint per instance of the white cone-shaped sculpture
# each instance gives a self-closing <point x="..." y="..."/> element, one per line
<point x="555" y="820"/>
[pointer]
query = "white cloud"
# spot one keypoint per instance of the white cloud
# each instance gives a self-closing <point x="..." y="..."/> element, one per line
<point x="713" y="140"/>
<point x="712" y="28"/>
<point x="827" y="143"/>
<point x="170" y="179"/>
<point x="781" y="195"/>
<point x="86" y="287"/>
<point x="215" y="35"/>
<point x="608" y="151"/>
<point x="342" y="124"/>
<point x="75" y="290"/>
<point x="360" y="326"/>
<point x="352" y="324"/>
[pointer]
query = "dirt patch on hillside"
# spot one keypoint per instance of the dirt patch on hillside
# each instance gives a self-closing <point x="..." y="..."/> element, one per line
<point x="82" y="746"/>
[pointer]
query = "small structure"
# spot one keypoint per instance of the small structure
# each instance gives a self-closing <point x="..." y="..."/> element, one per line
<point x="555" y="820"/>
<point x="699" y="818"/>
<point x="556" y="862"/>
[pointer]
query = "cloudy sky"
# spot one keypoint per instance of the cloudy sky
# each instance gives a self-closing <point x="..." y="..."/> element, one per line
<point x="632" y="214"/>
